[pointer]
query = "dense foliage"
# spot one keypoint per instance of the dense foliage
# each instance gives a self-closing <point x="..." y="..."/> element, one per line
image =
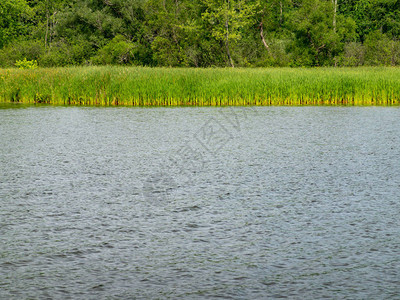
<point x="203" y="33"/>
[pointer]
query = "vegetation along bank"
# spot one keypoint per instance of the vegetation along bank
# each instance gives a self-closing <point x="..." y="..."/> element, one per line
<point x="143" y="86"/>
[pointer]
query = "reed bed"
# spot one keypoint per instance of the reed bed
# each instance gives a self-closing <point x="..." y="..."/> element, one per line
<point x="137" y="86"/>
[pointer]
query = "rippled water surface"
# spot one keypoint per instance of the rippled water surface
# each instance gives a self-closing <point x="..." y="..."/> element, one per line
<point x="243" y="203"/>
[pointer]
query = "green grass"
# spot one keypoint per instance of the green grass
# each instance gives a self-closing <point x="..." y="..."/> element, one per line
<point x="201" y="87"/>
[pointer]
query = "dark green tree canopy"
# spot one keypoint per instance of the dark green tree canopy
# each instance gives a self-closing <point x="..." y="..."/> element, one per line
<point x="204" y="33"/>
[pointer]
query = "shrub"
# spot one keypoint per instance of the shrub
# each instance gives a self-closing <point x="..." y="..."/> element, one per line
<point x="26" y="64"/>
<point x="377" y="49"/>
<point x="117" y="51"/>
<point x="353" y="55"/>
<point x="20" y="49"/>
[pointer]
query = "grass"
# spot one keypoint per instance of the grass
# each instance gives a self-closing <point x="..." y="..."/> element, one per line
<point x="139" y="86"/>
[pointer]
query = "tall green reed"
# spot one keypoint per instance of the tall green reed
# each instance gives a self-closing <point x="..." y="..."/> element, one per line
<point x="137" y="86"/>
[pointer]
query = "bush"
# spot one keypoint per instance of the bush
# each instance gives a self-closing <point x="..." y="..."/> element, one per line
<point x="278" y="57"/>
<point x="353" y="55"/>
<point x="19" y="50"/>
<point x="117" y="51"/>
<point x="377" y="49"/>
<point x="395" y="51"/>
<point x="56" y="55"/>
<point x="26" y="64"/>
<point x="64" y="54"/>
<point x="166" y="53"/>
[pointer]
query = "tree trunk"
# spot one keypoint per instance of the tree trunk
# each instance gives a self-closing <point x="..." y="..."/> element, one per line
<point x="263" y="39"/>
<point x="227" y="44"/>
<point x="281" y="13"/>
<point x="227" y="37"/>
<point x="52" y="25"/>
<point x="334" y="2"/>
<point x="47" y="29"/>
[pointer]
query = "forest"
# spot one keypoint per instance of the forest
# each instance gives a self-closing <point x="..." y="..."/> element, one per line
<point x="204" y="33"/>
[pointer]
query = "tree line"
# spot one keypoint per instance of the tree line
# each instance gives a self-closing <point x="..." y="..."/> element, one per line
<point x="202" y="33"/>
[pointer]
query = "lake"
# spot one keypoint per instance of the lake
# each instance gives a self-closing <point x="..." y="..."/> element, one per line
<point x="240" y="203"/>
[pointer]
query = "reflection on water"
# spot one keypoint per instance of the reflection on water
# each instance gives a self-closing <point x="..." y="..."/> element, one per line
<point x="14" y="105"/>
<point x="199" y="202"/>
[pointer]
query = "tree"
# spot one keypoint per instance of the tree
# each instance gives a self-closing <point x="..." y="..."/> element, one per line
<point x="317" y="42"/>
<point x="371" y="15"/>
<point x="378" y="49"/>
<point x="200" y="33"/>
<point x="165" y="19"/>
<point x="271" y="21"/>
<point x="227" y="20"/>
<point x="14" y="16"/>
<point x="46" y="12"/>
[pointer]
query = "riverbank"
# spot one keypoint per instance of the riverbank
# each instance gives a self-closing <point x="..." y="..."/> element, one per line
<point x="137" y="86"/>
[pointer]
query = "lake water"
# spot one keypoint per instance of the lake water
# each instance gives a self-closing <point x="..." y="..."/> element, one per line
<point x="241" y="203"/>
